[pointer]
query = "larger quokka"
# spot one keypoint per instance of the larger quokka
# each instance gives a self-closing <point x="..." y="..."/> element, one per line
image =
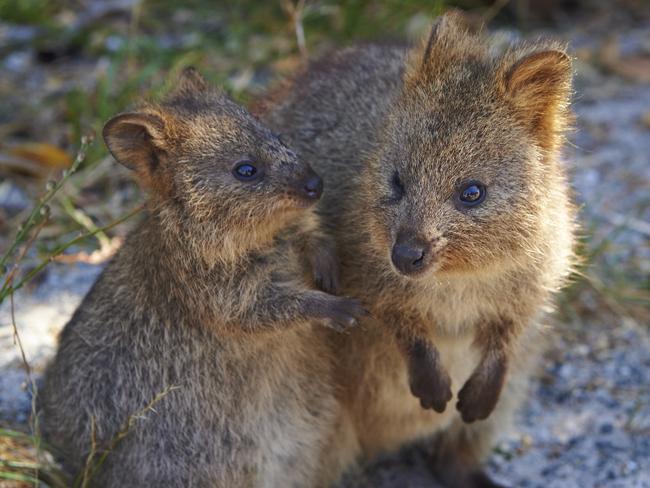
<point x="212" y="297"/>
<point x="454" y="226"/>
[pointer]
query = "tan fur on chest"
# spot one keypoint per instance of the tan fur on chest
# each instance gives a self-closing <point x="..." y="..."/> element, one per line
<point x="386" y="413"/>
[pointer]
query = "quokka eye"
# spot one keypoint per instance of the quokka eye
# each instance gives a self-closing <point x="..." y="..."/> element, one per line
<point x="471" y="194"/>
<point x="246" y="170"/>
<point x="397" y="187"/>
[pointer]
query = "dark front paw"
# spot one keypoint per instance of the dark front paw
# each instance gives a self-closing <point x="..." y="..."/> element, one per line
<point x="428" y="379"/>
<point x="327" y="280"/>
<point x="325" y="269"/>
<point x="338" y="313"/>
<point x="479" y="395"/>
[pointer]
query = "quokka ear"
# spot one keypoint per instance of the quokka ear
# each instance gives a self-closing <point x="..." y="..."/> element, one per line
<point x="136" y="140"/>
<point x="191" y="81"/>
<point x="539" y="86"/>
<point x="449" y="41"/>
<point x="445" y="26"/>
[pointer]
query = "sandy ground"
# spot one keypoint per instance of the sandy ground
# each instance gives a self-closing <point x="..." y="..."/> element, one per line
<point x="587" y="420"/>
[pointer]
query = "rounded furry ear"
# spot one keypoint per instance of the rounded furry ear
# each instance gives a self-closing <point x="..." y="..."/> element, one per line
<point x="135" y="140"/>
<point x="539" y="86"/>
<point x="544" y="72"/>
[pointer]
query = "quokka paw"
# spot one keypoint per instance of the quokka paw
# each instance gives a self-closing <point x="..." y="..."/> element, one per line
<point x="432" y="388"/>
<point x="338" y="313"/>
<point x="428" y="379"/>
<point x="327" y="280"/>
<point x="479" y="395"/>
<point x="325" y="271"/>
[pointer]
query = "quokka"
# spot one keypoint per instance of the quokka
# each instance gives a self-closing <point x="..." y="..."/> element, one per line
<point x="454" y="226"/>
<point x="212" y="295"/>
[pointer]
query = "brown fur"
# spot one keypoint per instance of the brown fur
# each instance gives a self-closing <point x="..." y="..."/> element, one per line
<point x="213" y="294"/>
<point x="469" y="321"/>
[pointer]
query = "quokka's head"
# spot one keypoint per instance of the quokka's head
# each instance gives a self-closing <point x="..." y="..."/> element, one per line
<point x="466" y="161"/>
<point x="207" y="162"/>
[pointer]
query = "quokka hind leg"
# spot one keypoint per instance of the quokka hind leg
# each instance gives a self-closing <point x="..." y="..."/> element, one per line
<point x="458" y="452"/>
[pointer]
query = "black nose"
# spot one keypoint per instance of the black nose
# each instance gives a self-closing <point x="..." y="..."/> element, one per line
<point x="408" y="258"/>
<point x="313" y="186"/>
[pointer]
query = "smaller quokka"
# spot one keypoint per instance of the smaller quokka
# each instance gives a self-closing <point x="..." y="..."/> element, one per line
<point x="211" y="294"/>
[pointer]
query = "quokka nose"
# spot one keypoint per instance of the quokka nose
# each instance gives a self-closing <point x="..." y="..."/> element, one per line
<point x="408" y="258"/>
<point x="313" y="186"/>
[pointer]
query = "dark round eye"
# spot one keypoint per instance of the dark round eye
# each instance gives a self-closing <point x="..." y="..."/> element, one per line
<point x="245" y="170"/>
<point x="471" y="194"/>
<point x="397" y="186"/>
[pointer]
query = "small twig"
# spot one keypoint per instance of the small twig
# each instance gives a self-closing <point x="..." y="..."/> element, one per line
<point x="93" y="452"/>
<point x="32" y="383"/>
<point x="16" y="337"/>
<point x="136" y="14"/>
<point x="92" y="468"/>
<point x="36" y="213"/>
<point x="10" y="276"/>
<point x="97" y="256"/>
<point x="296" y="13"/>
<point x="80" y="217"/>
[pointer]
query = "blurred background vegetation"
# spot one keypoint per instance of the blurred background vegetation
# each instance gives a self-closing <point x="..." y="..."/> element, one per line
<point x="68" y="66"/>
